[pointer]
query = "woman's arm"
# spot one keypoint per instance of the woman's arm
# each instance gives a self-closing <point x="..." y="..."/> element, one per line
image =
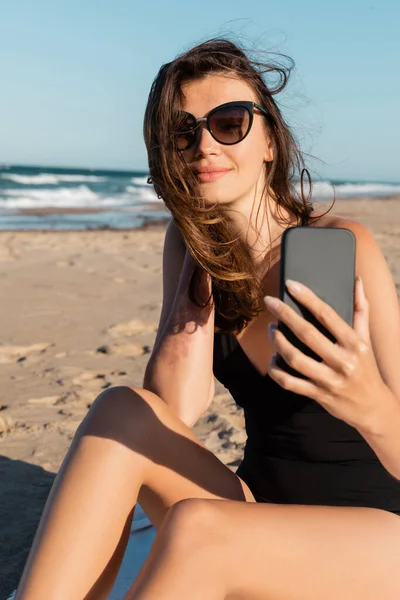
<point x="358" y="378"/>
<point x="383" y="432"/>
<point x="180" y="367"/>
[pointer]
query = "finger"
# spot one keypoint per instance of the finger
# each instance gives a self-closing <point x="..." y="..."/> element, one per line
<point x="291" y="383"/>
<point x="307" y="333"/>
<point x="324" y="313"/>
<point x="361" y="311"/>
<point x="318" y="372"/>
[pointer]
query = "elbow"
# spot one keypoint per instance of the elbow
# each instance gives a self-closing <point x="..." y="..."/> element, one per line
<point x="191" y="419"/>
<point x="182" y="401"/>
<point x="147" y="378"/>
<point x="212" y="392"/>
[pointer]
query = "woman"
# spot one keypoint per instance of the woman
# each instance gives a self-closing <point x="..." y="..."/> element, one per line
<point x="313" y="511"/>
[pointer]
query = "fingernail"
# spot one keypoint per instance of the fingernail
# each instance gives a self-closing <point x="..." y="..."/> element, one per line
<point x="295" y="286"/>
<point x="271" y="301"/>
<point x="361" y="282"/>
<point x="273" y="361"/>
<point x="271" y="330"/>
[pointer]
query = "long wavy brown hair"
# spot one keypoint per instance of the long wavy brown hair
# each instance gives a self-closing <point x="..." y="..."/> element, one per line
<point x="236" y="289"/>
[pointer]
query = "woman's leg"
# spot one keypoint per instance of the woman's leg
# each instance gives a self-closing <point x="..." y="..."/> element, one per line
<point x="130" y="443"/>
<point x="236" y="551"/>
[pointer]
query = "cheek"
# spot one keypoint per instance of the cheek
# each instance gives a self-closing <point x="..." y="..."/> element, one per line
<point x="250" y="159"/>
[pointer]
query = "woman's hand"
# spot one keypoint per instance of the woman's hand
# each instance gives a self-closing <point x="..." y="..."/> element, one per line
<point x="347" y="382"/>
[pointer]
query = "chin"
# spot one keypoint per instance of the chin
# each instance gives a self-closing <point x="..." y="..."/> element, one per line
<point x="219" y="196"/>
<point x="209" y="200"/>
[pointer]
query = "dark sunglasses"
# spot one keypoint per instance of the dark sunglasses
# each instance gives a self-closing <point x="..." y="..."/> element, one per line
<point x="228" y="123"/>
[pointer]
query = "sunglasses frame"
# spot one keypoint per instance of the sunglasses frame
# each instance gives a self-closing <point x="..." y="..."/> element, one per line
<point x="247" y="104"/>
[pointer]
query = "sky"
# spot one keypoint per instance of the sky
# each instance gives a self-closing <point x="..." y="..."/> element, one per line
<point x="76" y="76"/>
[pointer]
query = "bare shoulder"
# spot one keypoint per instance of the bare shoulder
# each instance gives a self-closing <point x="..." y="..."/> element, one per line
<point x="173" y="234"/>
<point x="381" y="293"/>
<point x="328" y="220"/>
<point x="371" y="264"/>
<point x="174" y="249"/>
<point x="365" y="241"/>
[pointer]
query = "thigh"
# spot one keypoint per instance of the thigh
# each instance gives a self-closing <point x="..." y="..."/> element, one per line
<point x="178" y="466"/>
<point x="293" y="552"/>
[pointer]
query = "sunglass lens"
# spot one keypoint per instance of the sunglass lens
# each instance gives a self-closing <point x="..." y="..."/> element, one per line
<point x="229" y="125"/>
<point x="185" y="127"/>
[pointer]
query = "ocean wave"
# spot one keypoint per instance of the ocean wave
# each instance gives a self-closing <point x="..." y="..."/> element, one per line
<point x="368" y="189"/>
<point x="326" y="189"/>
<point x="133" y="191"/>
<point x="79" y="197"/>
<point x="139" y="180"/>
<point x="49" y="179"/>
<point x="144" y="194"/>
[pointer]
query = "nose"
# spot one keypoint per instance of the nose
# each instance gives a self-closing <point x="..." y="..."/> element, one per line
<point x="205" y="143"/>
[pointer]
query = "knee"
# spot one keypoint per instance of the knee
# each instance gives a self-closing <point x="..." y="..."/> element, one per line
<point x="119" y="409"/>
<point x="194" y="524"/>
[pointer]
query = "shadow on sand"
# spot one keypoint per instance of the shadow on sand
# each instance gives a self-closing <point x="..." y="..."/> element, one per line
<point x="23" y="492"/>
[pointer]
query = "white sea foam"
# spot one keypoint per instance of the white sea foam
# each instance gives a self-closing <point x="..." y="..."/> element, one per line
<point x="50" y="179"/>
<point x="139" y="180"/>
<point x="148" y="195"/>
<point x="368" y="189"/>
<point x="144" y="194"/>
<point x="133" y="191"/>
<point x="326" y="189"/>
<point x="80" y="197"/>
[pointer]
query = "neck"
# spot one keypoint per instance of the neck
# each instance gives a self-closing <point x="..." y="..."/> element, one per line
<point x="260" y="226"/>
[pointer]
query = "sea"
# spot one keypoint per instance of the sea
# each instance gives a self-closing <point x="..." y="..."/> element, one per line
<point x="56" y="198"/>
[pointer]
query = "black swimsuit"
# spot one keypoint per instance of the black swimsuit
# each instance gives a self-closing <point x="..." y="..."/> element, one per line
<point x="297" y="452"/>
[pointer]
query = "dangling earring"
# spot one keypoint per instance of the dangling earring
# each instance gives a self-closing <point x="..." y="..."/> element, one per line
<point x="150" y="182"/>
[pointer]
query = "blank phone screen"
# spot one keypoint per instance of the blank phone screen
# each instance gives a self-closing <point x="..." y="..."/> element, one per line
<point x="323" y="258"/>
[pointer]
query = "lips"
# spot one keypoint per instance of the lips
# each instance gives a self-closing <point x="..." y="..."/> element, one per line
<point x="210" y="173"/>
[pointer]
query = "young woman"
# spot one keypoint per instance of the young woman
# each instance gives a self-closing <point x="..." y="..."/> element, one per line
<point x="313" y="511"/>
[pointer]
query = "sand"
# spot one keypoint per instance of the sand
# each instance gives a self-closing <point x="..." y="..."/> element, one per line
<point x="79" y="313"/>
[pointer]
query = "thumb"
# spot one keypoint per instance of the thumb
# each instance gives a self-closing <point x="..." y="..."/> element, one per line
<point x="361" y="311"/>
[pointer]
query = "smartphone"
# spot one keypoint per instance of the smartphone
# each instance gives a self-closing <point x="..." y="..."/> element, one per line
<point x="323" y="258"/>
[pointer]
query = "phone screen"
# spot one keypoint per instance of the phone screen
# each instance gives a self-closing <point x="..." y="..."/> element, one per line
<point x="323" y="258"/>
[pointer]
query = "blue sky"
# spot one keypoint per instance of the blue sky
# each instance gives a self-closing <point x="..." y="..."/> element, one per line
<point x="76" y="75"/>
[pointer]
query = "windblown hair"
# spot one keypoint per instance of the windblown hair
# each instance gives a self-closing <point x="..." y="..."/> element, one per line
<point x="236" y="289"/>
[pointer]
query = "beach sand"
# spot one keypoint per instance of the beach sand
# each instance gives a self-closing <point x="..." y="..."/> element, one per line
<point x="79" y="313"/>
